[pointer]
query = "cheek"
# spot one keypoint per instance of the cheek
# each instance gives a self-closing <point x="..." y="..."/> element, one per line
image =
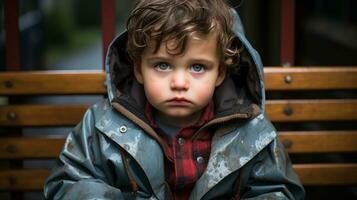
<point x="204" y="94"/>
<point x="154" y="92"/>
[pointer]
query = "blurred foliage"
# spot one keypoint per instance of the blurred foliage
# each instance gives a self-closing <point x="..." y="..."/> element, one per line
<point x="28" y="6"/>
<point x="59" y="24"/>
<point x="86" y="14"/>
<point x="122" y="11"/>
<point x="69" y="24"/>
<point x="342" y="10"/>
<point x="1" y="15"/>
<point x="80" y="39"/>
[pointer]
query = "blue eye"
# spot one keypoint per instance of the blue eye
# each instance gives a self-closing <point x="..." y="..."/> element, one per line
<point x="197" y="68"/>
<point x="162" y="66"/>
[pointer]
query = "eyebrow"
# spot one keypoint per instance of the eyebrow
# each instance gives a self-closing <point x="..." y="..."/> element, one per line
<point x="155" y="58"/>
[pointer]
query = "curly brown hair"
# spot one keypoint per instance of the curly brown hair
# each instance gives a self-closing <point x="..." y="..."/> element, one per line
<point x="164" y="20"/>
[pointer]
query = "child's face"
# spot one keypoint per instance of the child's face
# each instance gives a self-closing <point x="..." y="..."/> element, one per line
<point x="180" y="86"/>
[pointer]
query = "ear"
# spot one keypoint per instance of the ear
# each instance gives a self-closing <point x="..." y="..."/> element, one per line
<point x="138" y="74"/>
<point x="221" y="76"/>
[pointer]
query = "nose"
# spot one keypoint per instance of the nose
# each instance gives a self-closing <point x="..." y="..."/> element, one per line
<point x="179" y="81"/>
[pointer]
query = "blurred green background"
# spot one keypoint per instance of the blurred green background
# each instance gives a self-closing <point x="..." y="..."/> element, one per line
<point x="66" y="34"/>
<point x="53" y="33"/>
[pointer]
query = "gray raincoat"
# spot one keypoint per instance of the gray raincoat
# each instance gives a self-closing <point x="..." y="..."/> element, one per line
<point x="113" y="153"/>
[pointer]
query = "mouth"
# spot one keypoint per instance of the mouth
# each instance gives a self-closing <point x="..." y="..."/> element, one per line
<point x="178" y="102"/>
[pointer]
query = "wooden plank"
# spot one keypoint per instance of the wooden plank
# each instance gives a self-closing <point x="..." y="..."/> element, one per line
<point x="27" y="148"/>
<point x="41" y="115"/>
<point x="23" y="179"/>
<point x="277" y="111"/>
<point x="310" y="78"/>
<point x="327" y="174"/>
<point x="310" y="175"/>
<point x="52" y="82"/>
<point x="311" y="110"/>
<point x="319" y="141"/>
<point x="92" y="82"/>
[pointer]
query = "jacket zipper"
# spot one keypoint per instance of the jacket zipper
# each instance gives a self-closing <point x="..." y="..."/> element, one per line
<point x="133" y="184"/>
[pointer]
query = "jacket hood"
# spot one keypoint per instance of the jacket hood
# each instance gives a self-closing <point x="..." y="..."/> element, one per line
<point x="242" y="91"/>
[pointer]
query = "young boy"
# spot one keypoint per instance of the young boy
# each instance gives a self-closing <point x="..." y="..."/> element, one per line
<point x="184" y="118"/>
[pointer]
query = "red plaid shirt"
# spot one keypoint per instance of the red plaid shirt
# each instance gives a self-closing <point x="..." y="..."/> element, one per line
<point x="189" y="158"/>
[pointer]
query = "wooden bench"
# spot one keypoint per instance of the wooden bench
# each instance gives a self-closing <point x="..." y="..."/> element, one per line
<point x="283" y="110"/>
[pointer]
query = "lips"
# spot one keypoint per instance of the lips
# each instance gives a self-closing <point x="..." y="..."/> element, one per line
<point x="178" y="102"/>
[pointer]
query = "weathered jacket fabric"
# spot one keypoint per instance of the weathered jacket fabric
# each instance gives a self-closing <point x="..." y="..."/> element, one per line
<point x="113" y="153"/>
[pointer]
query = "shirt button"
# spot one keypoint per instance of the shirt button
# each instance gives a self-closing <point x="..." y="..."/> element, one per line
<point x="200" y="159"/>
<point x="181" y="141"/>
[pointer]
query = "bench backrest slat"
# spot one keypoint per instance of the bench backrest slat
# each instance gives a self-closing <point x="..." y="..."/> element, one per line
<point x="53" y="83"/>
<point x="41" y="115"/>
<point x="310" y="78"/>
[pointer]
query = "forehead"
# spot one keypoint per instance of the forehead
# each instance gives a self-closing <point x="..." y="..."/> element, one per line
<point x="196" y="45"/>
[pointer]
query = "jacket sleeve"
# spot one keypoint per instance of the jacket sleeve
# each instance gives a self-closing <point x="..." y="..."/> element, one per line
<point x="78" y="173"/>
<point x="270" y="176"/>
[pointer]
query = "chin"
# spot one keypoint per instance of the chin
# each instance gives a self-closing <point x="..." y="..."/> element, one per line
<point x="178" y="113"/>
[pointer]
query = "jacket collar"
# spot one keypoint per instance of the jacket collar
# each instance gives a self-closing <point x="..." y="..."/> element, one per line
<point x="133" y="140"/>
<point x="232" y="151"/>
